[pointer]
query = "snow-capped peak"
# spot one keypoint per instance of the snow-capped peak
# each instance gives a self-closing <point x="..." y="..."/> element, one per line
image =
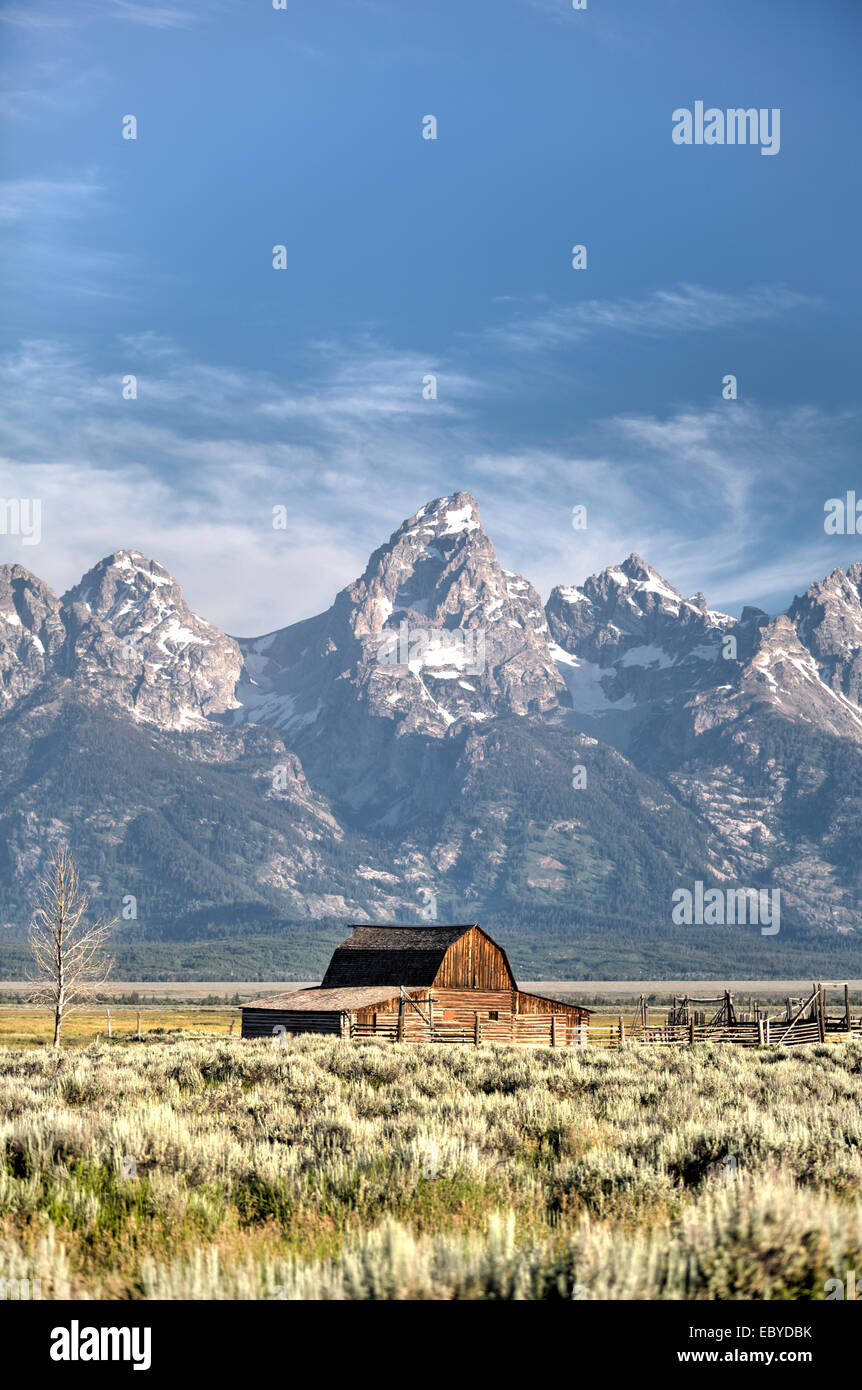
<point x="444" y="517"/>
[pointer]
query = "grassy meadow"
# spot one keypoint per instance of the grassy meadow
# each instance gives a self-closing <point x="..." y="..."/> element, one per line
<point x="207" y="1167"/>
<point x="35" y="1027"/>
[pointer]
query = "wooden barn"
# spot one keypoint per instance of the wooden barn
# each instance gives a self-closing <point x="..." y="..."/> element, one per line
<point x="422" y="984"/>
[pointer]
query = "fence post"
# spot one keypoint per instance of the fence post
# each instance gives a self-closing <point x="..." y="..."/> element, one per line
<point x="476" y="1029"/>
<point x="766" y="1032"/>
<point x="821" y="1012"/>
<point x="139" y="1025"/>
<point x="847" y="1024"/>
<point x="691" y="1031"/>
<point x="761" y="1033"/>
<point x="622" y="1031"/>
<point x="108" y="1012"/>
<point x="553" y="1030"/>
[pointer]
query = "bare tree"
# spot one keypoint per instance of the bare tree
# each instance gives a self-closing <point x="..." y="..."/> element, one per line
<point x="69" y="952"/>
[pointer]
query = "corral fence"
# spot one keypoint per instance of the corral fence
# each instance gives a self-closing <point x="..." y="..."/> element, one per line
<point x="803" y="1021"/>
<point x="687" y="1022"/>
<point x="532" y="1030"/>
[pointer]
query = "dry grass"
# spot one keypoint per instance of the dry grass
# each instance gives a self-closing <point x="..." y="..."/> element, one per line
<point x="35" y="1027"/>
<point x="324" y="1169"/>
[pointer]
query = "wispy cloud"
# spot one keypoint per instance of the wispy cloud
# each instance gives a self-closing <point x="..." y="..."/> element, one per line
<point x="371" y="381"/>
<point x="724" y="500"/>
<point x="37" y="200"/>
<point x="727" y="501"/>
<point x="191" y="471"/>
<point x="74" y="14"/>
<point x="152" y="16"/>
<point x="682" y="309"/>
<point x="52" y="86"/>
<point x="35" y="213"/>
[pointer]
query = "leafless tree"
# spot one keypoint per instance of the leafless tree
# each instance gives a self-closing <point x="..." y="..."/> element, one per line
<point x="69" y="952"/>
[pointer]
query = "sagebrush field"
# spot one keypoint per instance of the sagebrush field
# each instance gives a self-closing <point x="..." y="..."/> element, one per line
<point x="215" y="1168"/>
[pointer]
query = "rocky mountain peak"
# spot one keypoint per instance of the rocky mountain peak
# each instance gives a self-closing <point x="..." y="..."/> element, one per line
<point x="828" y="621"/>
<point x="445" y="519"/>
<point x="124" y="589"/>
<point x="416" y="704"/>
<point x="31" y="632"/>
<point x="636" y="568"/>
<point x="132" y="638"/>
<point x="432" y="565"/>
<point x="628" y="643"/>
<point x="433" y="635"/>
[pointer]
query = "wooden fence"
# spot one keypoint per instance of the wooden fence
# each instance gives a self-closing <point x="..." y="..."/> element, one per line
<point x="526" y="1030"/>
<point x="804" y="1021"/>
<point x="551" y="1030"/>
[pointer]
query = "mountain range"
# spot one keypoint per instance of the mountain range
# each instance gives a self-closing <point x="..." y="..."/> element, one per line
<point x="439" y="745"/>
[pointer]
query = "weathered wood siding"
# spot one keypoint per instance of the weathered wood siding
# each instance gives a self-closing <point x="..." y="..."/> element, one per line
<point x="533" y="1008"/>
<point x="442" y="1014"/>
<point x="460" y="1005"/>
<point x="263" y="1023"/>
<point x="536" y="1004"/>
<point x="474" y="962"/>
<point x="505" y="1015"/>
<point x="382" y="1020"/>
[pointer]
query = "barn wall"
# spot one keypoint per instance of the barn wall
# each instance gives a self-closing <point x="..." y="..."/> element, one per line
<point x="367" y="1012"/>
<point x="457" y="1008"/>
<point x="474" y="962"/>
<point x="522" y="1018"/>
<point x="535" y="1013"/>
<point x="382" y="1019"/>
<point x="535" y="1004"/>
<point x="464" y="1004"/>
<point x="262" y="1023"/>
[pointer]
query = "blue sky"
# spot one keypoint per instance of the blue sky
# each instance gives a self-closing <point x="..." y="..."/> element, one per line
<point x="405" y="256"/>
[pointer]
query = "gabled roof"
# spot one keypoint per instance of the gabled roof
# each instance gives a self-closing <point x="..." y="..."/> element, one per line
<point x="384" y="936"/>
<point x="391" y="955"/>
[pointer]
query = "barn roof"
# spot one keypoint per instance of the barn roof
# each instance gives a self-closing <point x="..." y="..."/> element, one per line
<point x="391" y="955"/>
<point x="320" y="1000"/>
<point x="382" y="936"/>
